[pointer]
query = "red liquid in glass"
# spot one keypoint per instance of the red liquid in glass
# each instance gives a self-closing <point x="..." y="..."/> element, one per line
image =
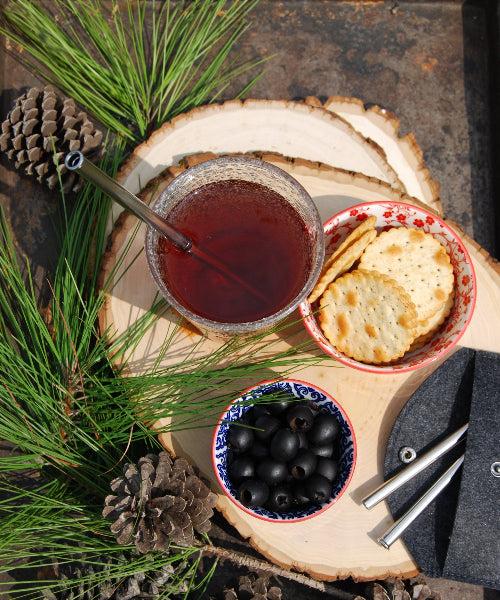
<point x="255" y="233"/>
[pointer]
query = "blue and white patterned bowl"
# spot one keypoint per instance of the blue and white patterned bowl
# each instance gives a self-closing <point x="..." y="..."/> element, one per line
<point x="300" y="390"/>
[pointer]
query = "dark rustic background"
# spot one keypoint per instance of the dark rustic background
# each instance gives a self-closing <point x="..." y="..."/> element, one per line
<point x="433" y="64"/>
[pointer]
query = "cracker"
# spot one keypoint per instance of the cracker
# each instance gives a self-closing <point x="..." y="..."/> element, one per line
<point x="417" y="261"/>
<point x="342" y="263"/>
<point x="355" y="234"/>
<point x="426" y="329"/>
<point x="368" y="317"/>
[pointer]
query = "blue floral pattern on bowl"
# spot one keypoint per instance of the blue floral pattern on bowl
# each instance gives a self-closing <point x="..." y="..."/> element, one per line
<point x="300" y="390"/>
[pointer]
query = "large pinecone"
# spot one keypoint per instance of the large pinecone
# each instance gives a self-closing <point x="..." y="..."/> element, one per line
<point x="253" y="587"/>
<point x="41" y="129"/>
<point x="157" y="502"/>
<point x="80" y="580"/>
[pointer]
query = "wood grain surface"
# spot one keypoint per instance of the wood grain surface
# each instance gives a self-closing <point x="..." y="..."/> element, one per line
<point x="342" y="541"/>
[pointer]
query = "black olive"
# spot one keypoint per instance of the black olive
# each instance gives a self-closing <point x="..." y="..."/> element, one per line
<point x="303" y="465"/>
<point x="328" y="467"/>
<point x="284" y="444"/>
<point x="256" y="411"/>
<point x="318" y="488"/>
<point x="272" y="471"/>
<point x="280" y="499"/>
<point x="259" y="450"/>
<point x="299" y="418"/>
<point x="324" y="430"/>
<point x="313" y="406"/>
<point x="242" y="467"/>
<point x="253" y="492"/>
<point x="303" y="441"/>
<point x="336" y="449"/>
<point x="325" y="451"/>
<point x="240" y="438"/>
<point x="277" y="407"/>
<point x="266" y="426"/>
<point x="299" y="493"/>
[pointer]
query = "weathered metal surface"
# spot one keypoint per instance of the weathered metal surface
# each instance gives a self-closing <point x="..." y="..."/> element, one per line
<point x="426" y="62"/>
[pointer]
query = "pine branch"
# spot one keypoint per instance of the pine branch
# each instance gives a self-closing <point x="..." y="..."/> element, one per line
<point x="71" y="415"/>
<point x="255" y="564"/>
<point x="134" y="66"/>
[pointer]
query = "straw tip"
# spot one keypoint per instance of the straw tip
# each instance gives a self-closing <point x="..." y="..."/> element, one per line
<point x="73" y="160"/>
<point x="383" y="542"/>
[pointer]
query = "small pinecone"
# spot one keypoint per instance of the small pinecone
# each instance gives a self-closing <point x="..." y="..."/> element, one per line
<point x="408" y="589"/>
<point x="41" y="129"/>
<point x="87" y="581"/>
<point x="253" y="587"/>
<point x="157" y="502"/>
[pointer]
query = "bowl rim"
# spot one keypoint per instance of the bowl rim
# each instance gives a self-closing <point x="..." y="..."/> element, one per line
<point x="307" y="313"/>
<point x="345" y="416"/>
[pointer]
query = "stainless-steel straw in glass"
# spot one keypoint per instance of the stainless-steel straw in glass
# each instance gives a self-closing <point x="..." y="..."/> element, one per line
<point x="75" y="161"/>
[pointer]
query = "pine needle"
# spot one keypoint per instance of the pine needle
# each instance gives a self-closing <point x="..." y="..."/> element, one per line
<point x="70" y="415"/>
<point x="137" y="64"/>
<point x="74" y="419"/>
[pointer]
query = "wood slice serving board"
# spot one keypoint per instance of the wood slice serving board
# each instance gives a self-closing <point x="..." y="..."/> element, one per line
<point x="340" y="133"/>
<point x="341" y="542"/>
<point x="402" y="153"/>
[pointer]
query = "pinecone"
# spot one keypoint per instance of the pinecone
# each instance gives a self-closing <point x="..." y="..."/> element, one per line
<point x="408" y="589"/>
<point x="86" y="581"/>
<point x="253" y="587"/>
<point x="41" y="129"/>
<point x="157" y="502"/>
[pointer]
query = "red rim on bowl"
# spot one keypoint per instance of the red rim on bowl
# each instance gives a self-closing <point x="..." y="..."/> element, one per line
<point x="300" y="390"/>
<point x="397" y="214"/>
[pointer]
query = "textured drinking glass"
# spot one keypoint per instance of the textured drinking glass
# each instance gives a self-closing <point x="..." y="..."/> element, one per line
<point x="237" y="169"/>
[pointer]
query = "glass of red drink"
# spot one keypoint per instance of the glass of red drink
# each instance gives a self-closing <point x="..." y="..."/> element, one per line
<point x="261" y="226"/>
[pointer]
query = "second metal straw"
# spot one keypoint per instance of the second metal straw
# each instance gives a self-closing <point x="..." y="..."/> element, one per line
<point x="413" y="468"/>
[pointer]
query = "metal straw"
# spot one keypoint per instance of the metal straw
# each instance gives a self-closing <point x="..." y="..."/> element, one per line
<point x="413" y="468"/>
<point x="75" y="161"/>
<point x="394" y="532"/>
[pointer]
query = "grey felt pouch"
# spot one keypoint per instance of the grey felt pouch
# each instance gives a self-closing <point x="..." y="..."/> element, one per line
<point x="458" y="535"/>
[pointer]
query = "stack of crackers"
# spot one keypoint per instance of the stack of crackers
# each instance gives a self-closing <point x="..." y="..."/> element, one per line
<point x="382" y="295"/>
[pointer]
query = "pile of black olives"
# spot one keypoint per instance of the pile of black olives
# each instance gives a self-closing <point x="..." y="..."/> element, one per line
<point x="283" y="455"/>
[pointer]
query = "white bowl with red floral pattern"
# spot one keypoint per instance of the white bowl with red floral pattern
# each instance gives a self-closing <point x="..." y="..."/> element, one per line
<point x="398" y="214"/>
